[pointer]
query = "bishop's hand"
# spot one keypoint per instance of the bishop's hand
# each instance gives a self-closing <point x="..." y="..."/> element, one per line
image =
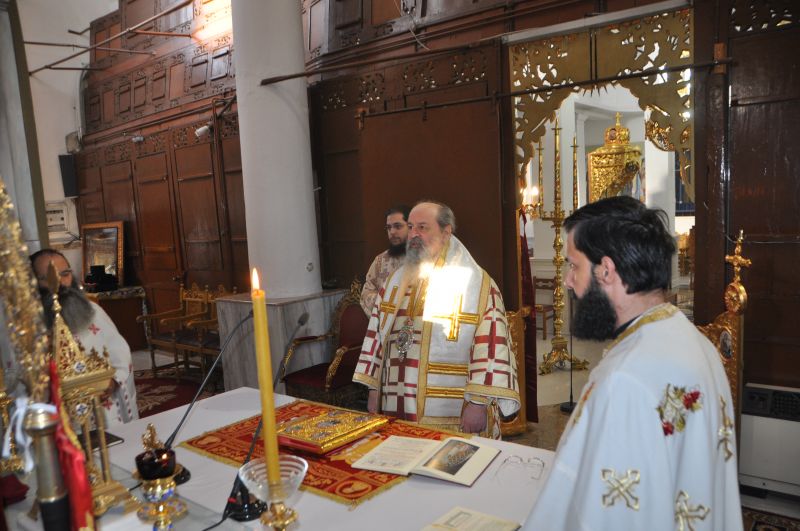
<point x="473" y="418"/>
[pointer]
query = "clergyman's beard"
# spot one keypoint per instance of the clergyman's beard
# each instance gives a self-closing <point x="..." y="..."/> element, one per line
<point x="416" y="251"/>
<point x="76" y="310"/>
<point x="594" y="317"/>
<point x="397" y="250"/>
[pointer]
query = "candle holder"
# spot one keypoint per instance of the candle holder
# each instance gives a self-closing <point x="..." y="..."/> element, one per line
<point x="559" y="355"/>
<point x="162" y="508"/>
<point x="254" y="476"/>
<point x="156" y="467"/>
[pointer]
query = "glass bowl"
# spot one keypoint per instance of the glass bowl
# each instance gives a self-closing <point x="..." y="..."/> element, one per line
<point x="254" y="476"/>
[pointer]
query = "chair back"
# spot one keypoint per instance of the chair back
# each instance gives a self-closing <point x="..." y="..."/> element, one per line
<point x="349" y="326"/>
<point x="516" y="332"/>
<point x="194" y="300"/>
<point x="546" y="284"/>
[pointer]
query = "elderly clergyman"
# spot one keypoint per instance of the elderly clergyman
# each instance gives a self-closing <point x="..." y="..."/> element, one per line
<point x="93" y="329"/>
<point x="437" y="350"/>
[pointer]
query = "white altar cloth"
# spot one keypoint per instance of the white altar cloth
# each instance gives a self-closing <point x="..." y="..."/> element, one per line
<point x="507" y="488"/>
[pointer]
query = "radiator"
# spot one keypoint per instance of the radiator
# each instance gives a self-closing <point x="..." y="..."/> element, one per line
<point x="769" y="449"/>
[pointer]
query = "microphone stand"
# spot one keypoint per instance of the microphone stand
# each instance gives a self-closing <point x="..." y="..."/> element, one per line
<point x="567" y="407"/>
<point x="184" y="475"/>
<point x="239" y="506"/>
<point x="301" y="321"/>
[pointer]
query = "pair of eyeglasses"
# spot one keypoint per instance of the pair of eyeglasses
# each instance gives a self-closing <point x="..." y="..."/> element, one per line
<point x="524" y="468"/>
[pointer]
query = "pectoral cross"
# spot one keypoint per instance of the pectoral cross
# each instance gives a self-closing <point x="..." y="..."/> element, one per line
<point x="458" y="317"/>
<point x="685" y="513"/>
<point x="621" y="487"/>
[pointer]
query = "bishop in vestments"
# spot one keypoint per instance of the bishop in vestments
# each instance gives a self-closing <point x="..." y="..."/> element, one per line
<point x="437" y="350"/>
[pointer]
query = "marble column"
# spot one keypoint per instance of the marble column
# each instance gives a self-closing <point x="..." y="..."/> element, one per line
<point x="276" y="151"/>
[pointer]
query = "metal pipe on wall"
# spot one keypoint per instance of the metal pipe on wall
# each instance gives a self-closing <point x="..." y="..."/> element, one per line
<point x="118" y="35"/>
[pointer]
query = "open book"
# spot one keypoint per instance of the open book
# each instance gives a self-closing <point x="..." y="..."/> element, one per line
<point x="454" y="459"/>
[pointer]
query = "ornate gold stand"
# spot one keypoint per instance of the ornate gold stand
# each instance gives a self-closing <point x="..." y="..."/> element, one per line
<point x="84" y="379"/>
<point x="162" y="508"/>
<point x="559" y="355"/>
<point x="279" y="516"/>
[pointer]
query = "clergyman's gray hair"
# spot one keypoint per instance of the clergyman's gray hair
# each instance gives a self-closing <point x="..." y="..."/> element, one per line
<point x="445" y="216"/>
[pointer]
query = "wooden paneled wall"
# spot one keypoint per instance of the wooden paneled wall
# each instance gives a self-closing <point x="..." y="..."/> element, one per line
<point x="459" y="154"/>
<point x="752" y="183"/>
<point x="179" y="195"/>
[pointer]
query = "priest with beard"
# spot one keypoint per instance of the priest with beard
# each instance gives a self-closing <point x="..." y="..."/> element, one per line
<point x="651" y="443"/>
<point x="389" y="260"/>
<point x="437" y="350"/>
<point x="92" y="329"/>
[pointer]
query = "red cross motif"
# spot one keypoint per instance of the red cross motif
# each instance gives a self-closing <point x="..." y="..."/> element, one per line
<point x="93" y="329"/>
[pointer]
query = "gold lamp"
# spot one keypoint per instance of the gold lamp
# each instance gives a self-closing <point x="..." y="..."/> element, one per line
<point x="614" y="165"/>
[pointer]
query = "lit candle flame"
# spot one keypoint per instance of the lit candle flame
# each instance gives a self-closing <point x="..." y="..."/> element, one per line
<point x="530" y="195"/>
<point x="254" y="280"/>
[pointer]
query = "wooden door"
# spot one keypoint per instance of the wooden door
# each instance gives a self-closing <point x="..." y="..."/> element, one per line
<point x="162" y="270"/>
<point x="764" y="192"/>
<point x="119" y="203"/>
<point x="199" y="209"/>
<point x="90" y="188"/>
<point x="234" y="197"/>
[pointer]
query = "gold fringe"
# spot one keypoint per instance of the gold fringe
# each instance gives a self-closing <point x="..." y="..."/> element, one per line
<point x="453" y="369"/>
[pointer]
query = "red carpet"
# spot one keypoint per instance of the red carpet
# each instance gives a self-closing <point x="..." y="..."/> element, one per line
<point x="154" y="395"/>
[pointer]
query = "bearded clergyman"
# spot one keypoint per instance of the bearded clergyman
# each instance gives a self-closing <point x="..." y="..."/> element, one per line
<point x="437" y="350"/>
<point x="92" y="329"/>
<point x="652" y="442"/>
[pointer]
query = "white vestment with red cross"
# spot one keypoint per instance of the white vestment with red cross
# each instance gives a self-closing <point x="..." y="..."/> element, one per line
<point x="461" y="348"/>
<point x="99" y="334"/>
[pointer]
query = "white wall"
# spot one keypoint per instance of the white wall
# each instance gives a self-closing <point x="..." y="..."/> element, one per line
<point x="55" y="93"/>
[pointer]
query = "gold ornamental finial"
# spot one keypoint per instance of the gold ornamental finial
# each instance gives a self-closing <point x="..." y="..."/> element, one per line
<point x="150" y="439"/>
<point x="736" y="260"/>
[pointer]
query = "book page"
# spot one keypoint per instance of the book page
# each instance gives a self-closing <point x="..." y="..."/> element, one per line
<point x="396" y="455"/>
<point x="461" y="519"/>
<point x="459" y="460"/>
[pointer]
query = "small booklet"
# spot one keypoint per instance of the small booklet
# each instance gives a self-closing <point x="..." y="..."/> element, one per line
<point x="454" y="459"/>
<point x="111" y="439"/>
<point x="462" y="519"/>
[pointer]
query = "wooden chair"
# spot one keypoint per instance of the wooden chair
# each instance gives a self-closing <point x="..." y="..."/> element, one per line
<point x="516" y="331"/>
<point x="332" y="382"/>
<point x="206" y="342"/>
<point x="194" y="305"/>
<point x="544" y="284"/>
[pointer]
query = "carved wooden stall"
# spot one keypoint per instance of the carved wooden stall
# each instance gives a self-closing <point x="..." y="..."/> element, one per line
<point x="179" y="193"/>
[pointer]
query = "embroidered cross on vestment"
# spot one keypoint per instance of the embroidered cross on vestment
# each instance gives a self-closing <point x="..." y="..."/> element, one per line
<point x="685" y="514"/>
<point x="458" y="317"/>
<point x="621" y="487"/>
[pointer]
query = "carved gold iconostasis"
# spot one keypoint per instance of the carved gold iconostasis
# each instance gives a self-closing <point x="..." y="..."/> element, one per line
<point x="659" y="45"/>
<point x="617" y="98"/>
<point x="655" y="109"/>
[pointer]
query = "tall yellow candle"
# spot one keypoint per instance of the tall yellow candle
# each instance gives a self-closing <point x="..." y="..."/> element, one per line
<point x="264" y="361"/>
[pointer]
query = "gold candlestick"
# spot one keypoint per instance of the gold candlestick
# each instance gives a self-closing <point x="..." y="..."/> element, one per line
<point x="559" y="355"/>
<point x="574" y="173"/>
